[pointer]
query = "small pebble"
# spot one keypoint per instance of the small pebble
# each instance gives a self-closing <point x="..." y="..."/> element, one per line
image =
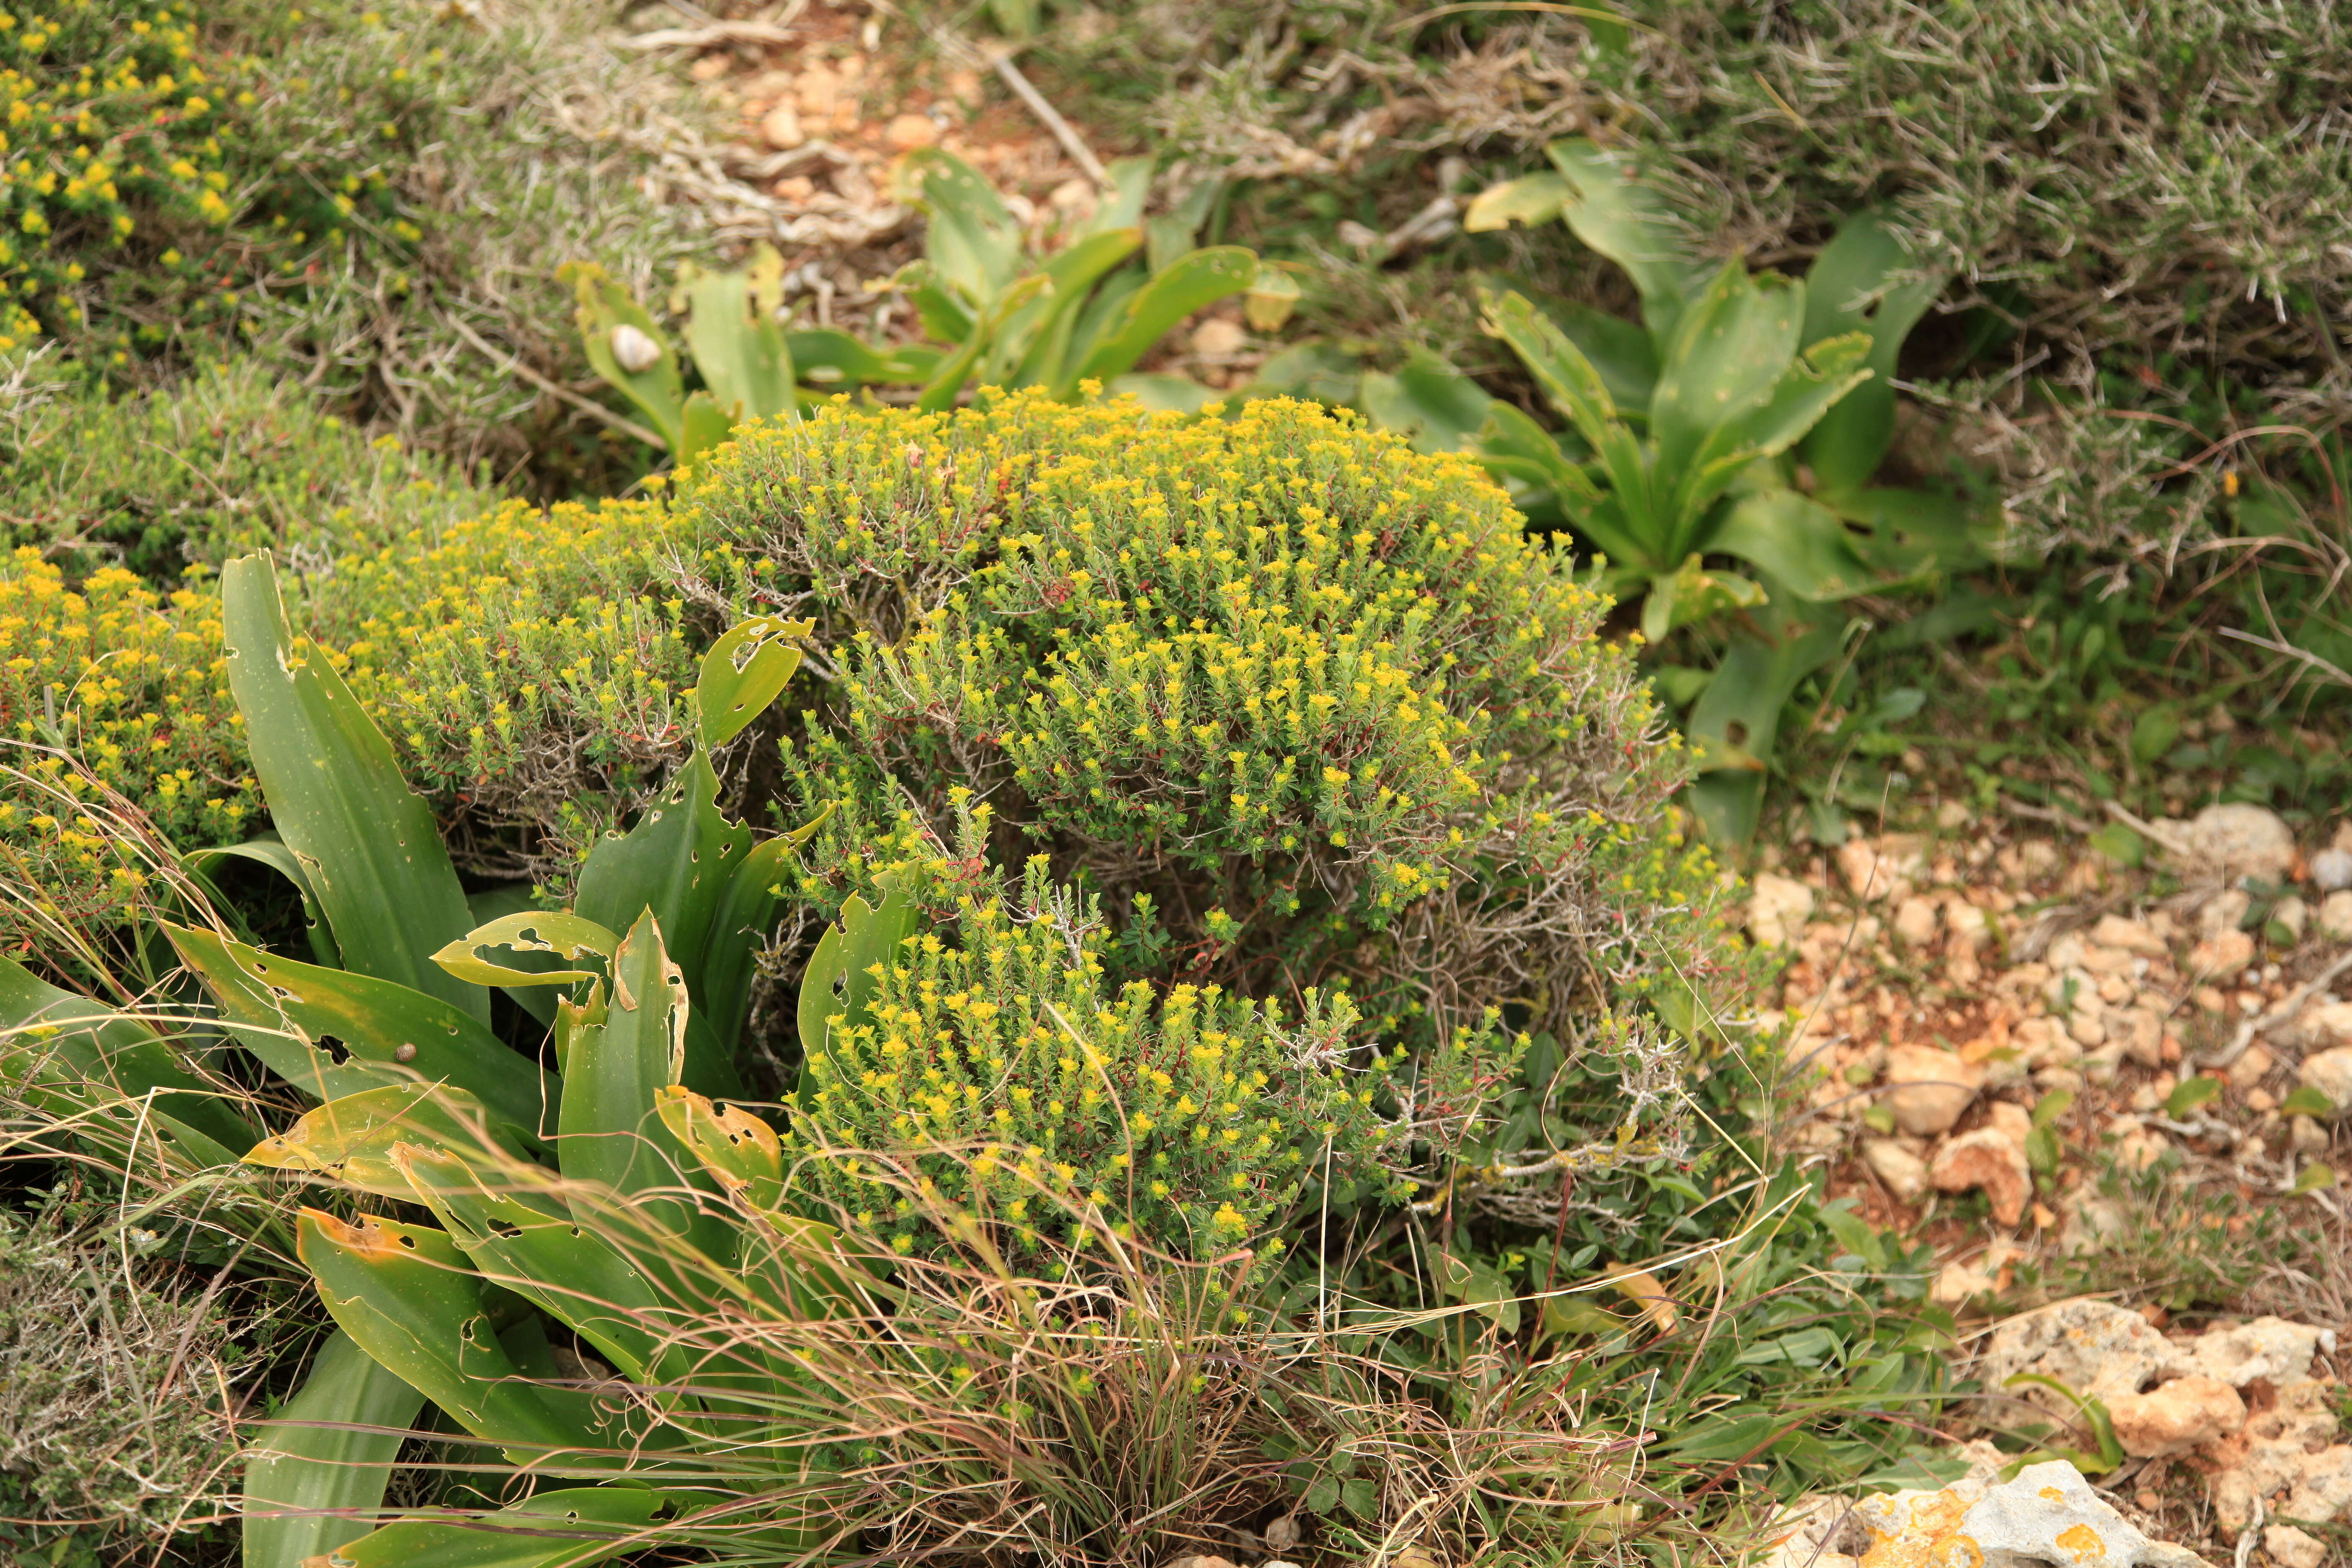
<point x="2332" y="870"/>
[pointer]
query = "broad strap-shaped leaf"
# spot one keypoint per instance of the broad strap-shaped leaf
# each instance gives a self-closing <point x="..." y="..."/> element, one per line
<point x="508" y="1217"/>
<point x="677" y="862"/>
<point x="957" y="367"/>
<point x="315" y="1471"/>
<point x="1729" y="350"/>
<point x="1798" y="543"/>
<point x="704" y="427"/>
<point x="611" y="1132"/>
<point x="412" y="1300"/>
<point x="1202" y="279"/>
<point x="743" y="673"/>
<point x="1428" y="402"/>
<point x="565" y="937"/>
<point x="1164" y="392"/>
<point x="1814" y="383"/>
<point x="1121" y="206"/>
<point x="972" y="242"/>
<point x="1566" y="378"/>
<point x="368" y="842"/>
<point x="604" y="309"/>
<point x="1852" y="286"/>
<point x="1618" y="207"/>
<point x="55" y="1038"/>
<point x="832" y="359"/>
<point x="740" y="1151"/>
<point x="350" y="1139"/>
<point x="1034" y="345"/>
<point x="840" y="981"/>
<point x="736" y="341"/>
<point x="1530" y="199"/>
<point x="747" y="913"/>
<point x="1737" y="717"/>
<point x="1511" y="443"/>
<point x="268" y="849"/>
<point x="563" y="1529"/>
<point x="283" y="1011"/>
<point x="1693" y="594"/>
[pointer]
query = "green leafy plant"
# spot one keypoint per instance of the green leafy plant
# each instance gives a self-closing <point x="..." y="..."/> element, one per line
<point x="1087" y="313"/>
<point x="1744" y="419"/>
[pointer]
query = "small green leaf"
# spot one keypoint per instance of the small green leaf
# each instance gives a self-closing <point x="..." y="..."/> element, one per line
<point x="1360" y="1498"/>
<point x="2154" y="732"/>
<point x="2051" y="1106"/>
<point x="1530" y="200"/>
<point x="2314" y="1177"/>
<point x="2119" y="843"/>
<point x="2305" y="1100"/>
<point x="567" y="1528"/>
<point x="1202" y="279"/>
<point x="2190" y="1093"/>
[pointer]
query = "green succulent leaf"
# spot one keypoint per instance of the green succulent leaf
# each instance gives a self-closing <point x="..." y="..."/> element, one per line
<point x="567" y="1528"/>
<point x="1801" y="544"/>
<point x="1200" y="279"/>
<point x="742" y="351"/>
<point x="743" y="672"/>
<point x="1852" y="286"/>
<point x="351" y="1138"/>
<point x="410" y="1299"/>
<point x="283" y="1011"/>
<point x="318" y="1468"/>
<point x="973" y="243"/>
<point x="367" y="842"/>
<point x="567" y="936"/>
<point x="268" y="849"/>
<point x="55" y="1039"/>
<point x="839" y="981"/>
<point x="1619" y="207"/>
<point x="1530" y="199"/>
<point x="1729" y="351"/>
<point x="512" y="1221"/>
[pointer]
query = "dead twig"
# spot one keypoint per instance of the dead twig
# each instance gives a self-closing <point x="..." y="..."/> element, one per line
<point x="2277" y="1015"/>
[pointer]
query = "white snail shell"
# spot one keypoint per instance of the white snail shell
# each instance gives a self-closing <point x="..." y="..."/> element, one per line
<point x="636" y="351"/>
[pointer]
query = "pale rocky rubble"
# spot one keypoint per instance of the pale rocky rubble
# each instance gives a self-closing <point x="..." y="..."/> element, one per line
<point x="1933" y="1004"/>
<point x="2048" y="1515"/>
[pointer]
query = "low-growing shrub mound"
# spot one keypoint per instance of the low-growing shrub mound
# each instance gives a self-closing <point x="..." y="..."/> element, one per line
<point x="1301" y="707"/>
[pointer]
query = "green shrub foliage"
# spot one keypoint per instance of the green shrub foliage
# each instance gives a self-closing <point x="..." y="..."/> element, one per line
<point x="1307" y="706"/>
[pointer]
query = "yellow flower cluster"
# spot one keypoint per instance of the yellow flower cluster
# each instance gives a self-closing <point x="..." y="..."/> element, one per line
<point x="135" y="686"/>
<point x="520" y="654"/>
<point x="998" y="1084"/>
<point x="107" y="111"/>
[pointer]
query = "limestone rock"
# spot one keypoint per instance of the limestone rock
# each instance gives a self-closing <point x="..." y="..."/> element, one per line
<point x="2226" y="842"/>
<point x="1778" y="909"/>
<point x="1217" y="337"/>
<point x="1986" y="1159"/>
<point x="2331" y="870"/>
<point x="2094" y="1348"/>
<point x="1916" y="923"/>
<point x="2047" y="1516"/>
<point x="1879" y="870"/>
<point x="1930" y="1088"/>
<point x="2321" y="1027"/>
<point x="2278" y="1451"/>
<point x="1957" y="1284"/>
<point x="2290" y="1548"/>
<point x="2224" y="953"/>
<point x="2131" y="936"/>
<point x="2324" y="1485"/>
<point x="907" y="132"/>
<point x="2329" y="1072"/>
<point x="2271" y="1348"/>
<point x="2336" y="917"/>
<point x="1904" y="1174"/>
<point x="2186" y="1413"/>
<point x="781" y="128"/>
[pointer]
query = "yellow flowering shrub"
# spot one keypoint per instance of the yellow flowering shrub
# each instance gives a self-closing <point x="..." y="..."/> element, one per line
<point x="1310" y="705"/>
<point x="134" y="685"/>
<point x="997" y="1083"/>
